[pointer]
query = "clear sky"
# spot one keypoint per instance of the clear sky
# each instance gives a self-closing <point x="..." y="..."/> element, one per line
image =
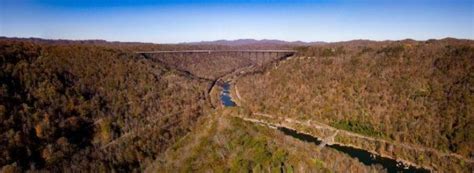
<point x="186" y="21"/>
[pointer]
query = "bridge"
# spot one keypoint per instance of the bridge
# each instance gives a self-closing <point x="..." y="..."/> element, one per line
<point x="215" y="51"/>
<point x="249" y="52"/>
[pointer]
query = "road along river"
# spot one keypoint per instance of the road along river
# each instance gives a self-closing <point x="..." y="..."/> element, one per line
<point x="368" y="158"/>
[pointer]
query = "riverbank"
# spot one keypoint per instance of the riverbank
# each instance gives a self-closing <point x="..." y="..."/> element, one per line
<point x="392" y="164"/>
<point x="368" y="157"/>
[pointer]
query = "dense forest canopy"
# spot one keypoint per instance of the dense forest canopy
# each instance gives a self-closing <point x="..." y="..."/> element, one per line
<point x="80" y="106"/>
<point x="97" y="105"/>
<point x="409" y="92"/>
<point x="92" y="104"/>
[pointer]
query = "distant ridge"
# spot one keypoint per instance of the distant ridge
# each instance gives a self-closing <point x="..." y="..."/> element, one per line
<point x="241" y="42"/>
<point x="238" y="42"/>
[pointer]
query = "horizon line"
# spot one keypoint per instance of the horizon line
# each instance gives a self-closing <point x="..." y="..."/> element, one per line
<point x="204" y="41"/>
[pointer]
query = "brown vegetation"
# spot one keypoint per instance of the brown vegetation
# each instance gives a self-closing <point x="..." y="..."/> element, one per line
<point x="213" y="65"/>
<point x="94" y="105"/>
<point x="226" y="144"/>
<point x="60" y="104"/>
<point x="418" y="93"/>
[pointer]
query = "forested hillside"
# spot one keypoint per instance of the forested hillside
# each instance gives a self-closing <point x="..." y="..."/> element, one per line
<point x="81" y="107"/>
<point x="409" y="92"/>
<point x="93" y="105"/>
<point x="223" y="143"/>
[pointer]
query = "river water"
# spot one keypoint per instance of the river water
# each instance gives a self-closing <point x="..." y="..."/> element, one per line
<point x="367" y="158"/>
<point x="225" y="96"/>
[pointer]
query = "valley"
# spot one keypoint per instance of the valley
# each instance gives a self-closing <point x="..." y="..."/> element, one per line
<point x="364" y="106"/>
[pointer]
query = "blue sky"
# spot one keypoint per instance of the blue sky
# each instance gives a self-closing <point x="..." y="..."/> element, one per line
<point x="186" y="21"/>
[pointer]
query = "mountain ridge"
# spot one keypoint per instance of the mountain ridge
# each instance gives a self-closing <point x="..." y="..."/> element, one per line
<point x="240" y="42"/>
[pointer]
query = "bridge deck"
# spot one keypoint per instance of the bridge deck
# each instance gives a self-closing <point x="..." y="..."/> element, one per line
<point x="216" y="51"/>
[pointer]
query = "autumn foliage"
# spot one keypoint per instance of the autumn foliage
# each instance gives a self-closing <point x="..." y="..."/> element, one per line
<point x="414" y="92"/>
<point x="80" y="106"/>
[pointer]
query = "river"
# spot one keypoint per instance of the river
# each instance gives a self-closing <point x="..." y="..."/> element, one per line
<point x="367" y="158"/>
<point x="226" y="99"/>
